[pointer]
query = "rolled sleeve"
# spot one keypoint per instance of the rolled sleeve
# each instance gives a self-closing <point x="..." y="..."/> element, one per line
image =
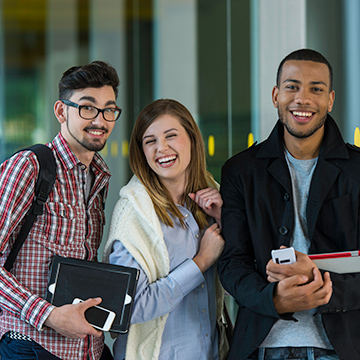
<point x="35" y="311"/>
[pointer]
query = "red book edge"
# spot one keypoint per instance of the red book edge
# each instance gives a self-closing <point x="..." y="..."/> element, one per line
<point x="335" y="255"/>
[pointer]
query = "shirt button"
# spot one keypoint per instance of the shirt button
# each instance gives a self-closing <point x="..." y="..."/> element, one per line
<point x="206" y="335"/>
<point x="197" y="236"/>
<point x="83" y="167"/>
<point x="287" y="197"/>
<point x="204" y="311"/>
<point x="202" y="285"/>
<point x="186" y="216"/>
<point x="283" y="230"/>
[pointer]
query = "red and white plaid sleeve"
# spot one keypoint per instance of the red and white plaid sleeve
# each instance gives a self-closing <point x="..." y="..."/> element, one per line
<point x="17" y="182"/>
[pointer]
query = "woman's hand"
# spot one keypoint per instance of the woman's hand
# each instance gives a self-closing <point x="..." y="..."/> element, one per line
<point x="210" y="201"/>
<point x="211" y="247"/>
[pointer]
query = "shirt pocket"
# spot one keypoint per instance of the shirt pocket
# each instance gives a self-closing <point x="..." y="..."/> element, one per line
<point x="337" y="216"/>
<point x="62" y="223"/>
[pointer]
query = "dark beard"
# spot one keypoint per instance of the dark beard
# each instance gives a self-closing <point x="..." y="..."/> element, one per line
<point x="91" y="146"/>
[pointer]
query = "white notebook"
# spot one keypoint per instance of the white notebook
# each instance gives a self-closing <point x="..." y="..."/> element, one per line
<point x="339" y="262"/>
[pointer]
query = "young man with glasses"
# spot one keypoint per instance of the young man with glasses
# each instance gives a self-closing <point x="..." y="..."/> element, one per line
<point x="71" y="225"/>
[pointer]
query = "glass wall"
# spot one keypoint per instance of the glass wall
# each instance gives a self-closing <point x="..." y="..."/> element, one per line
<point x="23" y="36"/>
<point x="223" y="35"/>
<point x="184" y="49"/>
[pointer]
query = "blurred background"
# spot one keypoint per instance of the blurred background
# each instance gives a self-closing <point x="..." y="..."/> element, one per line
<point x="217" y="57"/>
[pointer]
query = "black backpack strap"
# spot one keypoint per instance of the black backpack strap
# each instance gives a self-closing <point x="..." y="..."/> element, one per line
<point x="102" y="192"/>
<point x="45" y="181"/>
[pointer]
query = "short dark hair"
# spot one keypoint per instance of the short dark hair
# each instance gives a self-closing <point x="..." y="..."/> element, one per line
<point x="96" y="74"/>
<point x="305" y="55"/>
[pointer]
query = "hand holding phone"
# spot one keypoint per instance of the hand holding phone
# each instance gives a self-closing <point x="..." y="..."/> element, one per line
<point x="98" y="317"/>
<point x="284" y="256"/>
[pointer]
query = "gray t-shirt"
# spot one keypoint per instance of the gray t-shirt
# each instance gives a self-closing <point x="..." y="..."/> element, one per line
<point x="90" y="178"/>
<point x="309" y="330"/>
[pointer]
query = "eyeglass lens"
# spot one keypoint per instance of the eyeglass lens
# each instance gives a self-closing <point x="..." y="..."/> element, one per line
<point x="90" y="112"/>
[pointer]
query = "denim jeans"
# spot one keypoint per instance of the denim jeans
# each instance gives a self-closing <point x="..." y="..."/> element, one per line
<point x="11" y="349"/>
<point x="278" y="354"/>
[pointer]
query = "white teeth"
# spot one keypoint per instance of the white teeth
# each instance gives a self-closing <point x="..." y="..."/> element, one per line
<point x="95" y="132"/>
<point x="166" y="159"/>
<point x="302" y="113"/>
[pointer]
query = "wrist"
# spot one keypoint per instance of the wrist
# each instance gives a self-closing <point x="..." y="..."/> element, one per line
<point x="201" y="264"/>
<point x="49" y="321"/>
<point x="35" y="311"/>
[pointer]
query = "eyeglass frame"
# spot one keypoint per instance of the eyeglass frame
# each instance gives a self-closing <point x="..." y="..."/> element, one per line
<point x="72" y="104"/>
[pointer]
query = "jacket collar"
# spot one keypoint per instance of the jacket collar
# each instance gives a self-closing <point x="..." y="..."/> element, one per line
<point x="332" y="147"/>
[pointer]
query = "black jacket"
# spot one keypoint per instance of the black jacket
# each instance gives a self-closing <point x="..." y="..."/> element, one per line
<point x="258" y="216"/>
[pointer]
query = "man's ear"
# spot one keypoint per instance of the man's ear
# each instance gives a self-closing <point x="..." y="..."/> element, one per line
<point x="274" y="96"/>
<point x="60" y="111"/>
<point x="331" y="100"/>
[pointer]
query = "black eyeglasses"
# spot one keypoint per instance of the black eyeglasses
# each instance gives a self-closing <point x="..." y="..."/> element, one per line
<point x="89" y="112"/>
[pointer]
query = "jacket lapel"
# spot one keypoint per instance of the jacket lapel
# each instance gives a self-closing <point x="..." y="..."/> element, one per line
<point x="325" y="174"/>
<point x="323" y="179"/>
<point x="279" y="170"/>
<point x="273" y="148"/>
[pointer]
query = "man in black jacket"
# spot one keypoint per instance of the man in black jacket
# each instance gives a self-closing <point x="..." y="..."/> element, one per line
<point x="300" y="188"/>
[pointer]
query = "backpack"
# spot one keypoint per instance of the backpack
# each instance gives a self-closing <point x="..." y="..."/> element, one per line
<point x="44" y="183"/>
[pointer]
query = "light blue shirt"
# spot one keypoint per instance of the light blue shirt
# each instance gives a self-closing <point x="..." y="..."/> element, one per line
<point x="186" y="294"/>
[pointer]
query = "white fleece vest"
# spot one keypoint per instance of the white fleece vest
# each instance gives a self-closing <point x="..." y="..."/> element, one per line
<point x="135" y="223"/>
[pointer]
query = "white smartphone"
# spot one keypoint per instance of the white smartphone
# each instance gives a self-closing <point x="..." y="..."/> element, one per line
<point x="98" y="317"/>
<point x="284" y="256"/>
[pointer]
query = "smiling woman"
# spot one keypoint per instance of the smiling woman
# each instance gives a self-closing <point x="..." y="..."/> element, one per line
<point x="167" y="224"/>
<point x="167" y="149"/>
<point x="166" y="128"/>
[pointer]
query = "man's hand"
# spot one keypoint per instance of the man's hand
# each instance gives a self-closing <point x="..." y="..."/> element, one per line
<point x="211" y="247"/>
<point x="210" y="201"/>
<point x="303" y="266"/>
<point x="296" y="293"/>
<point x="69" y="320"/>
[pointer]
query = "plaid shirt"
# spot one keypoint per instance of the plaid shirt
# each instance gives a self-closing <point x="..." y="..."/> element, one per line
<point x="71" y="226"/>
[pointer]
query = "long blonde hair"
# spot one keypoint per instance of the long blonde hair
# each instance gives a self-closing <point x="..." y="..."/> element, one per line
<point x="197" y="175"/>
